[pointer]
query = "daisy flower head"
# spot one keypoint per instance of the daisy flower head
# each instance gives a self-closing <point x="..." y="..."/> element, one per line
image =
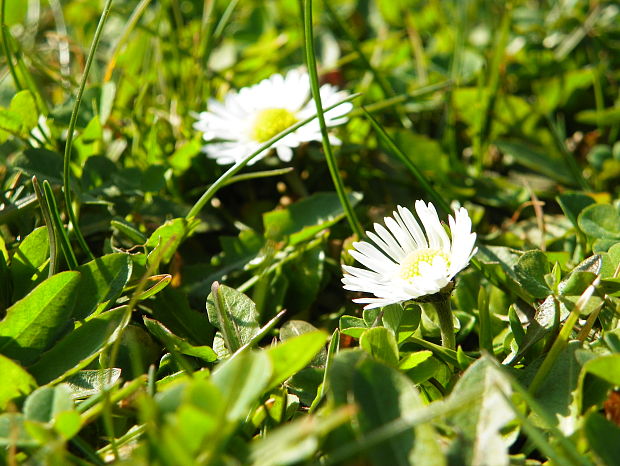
<point x="407" y="262"/>
<point x="248" y="118"/>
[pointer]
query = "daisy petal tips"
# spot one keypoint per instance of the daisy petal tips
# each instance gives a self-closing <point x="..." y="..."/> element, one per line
<point x="248" y="118"/>
<point x="408" y="262"/>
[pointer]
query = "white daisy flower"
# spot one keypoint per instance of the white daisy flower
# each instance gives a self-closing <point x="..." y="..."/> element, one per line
<point x="409" y="263"/>
<point x="250" y="117"/>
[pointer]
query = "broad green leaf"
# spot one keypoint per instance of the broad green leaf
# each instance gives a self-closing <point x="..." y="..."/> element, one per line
<point x="76" y="350"/>
<point x="293" y="328"/>
<point x="234" y="315"/>
<point x="572" y="203"/>
<point x="386" y="396"/>
<point x="392" y="315"/>
<point x="44" y="404"/>
<point x="304" y="278"/>
<point x="530" y="270"/>
<point x="381" y="344"/>
<point x="24" y="106"/>
<point x="17" y="381"/>
<point x="10" y="123"/>
<point x="102" y="282"/>
<point x="292" y="355"/>
<point x="297" y="441"/>
<point x="242" y="380"/>
<point x="419" y="366"/>
<point x="600" y="221"/>
<point x="42" y="163"/>
<point x="603" y="437"/>
<point x="305" y="218"/>
<point x="537" y="159"/>
<point x="557" y="392"/>
<point x="29" y="262"/>
<point x="166" y="239"/>
<point x="546" y="319"/>
<point x="480" y="420"/>
<point x="33" y="323"/>
<point x="68" y="424"/>
<point x="605" y="367"/>
<point x="352" y="326"/>
<point x="176" y="343"/>
<point x="89" y="382"/>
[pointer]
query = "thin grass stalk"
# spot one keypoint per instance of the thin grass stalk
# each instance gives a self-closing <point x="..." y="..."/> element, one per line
<point x="63" y="237"/>
<point x="426" y="186"/>
<point x="49" y="223"/>
<point x="6" y="46"/>
<point x="72" y="122"/>
<point x="327" y="148"/>
<point x="238" y="166"/>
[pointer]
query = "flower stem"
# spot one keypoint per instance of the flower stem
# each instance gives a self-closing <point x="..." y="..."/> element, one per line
<point x="446" y="327"/>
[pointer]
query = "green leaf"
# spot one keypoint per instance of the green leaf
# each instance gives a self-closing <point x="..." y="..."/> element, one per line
<point x="10" y="122"/>
<point x="530" y="270"/>
<point x="234" y="315"/>
<point x="419" y="366"/>
<point x="386" y="396"/>
<point x="89" y="382"/>
<point x="352" y="326"/>
<point x="44" y="404"/>
<point x="42" y="163"/>
<point x="166" y="239"/>
<point x="603" y="437"/>
<point x="102" y="283"/>
<point x="572" y="203"/>
<point x="68" y="424"/>
<point x="296" y="442"/>
<point x="291" y="356"/>
<point x="600" y="221"/>
<point x="33" y="323"/>
<point x="76" y="350"/>
<point x="29" y="263"/>
<point x="304" y="219"/>
<point x="17" y="381"/>
<point x="480" y="420"/>
<point x="381" y="344"/>
<point x="304" y="276"/>
<point x="294" y="328"/>
<point x="24" y="106"/>
<point x="537" y="159"/>
<point x="176" y="343"/>
<point x="242" y="380"/>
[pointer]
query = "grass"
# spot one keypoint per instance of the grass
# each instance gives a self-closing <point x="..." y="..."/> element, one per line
<point x="159" y="308"/>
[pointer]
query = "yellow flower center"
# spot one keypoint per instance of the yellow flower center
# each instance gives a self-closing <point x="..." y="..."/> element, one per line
<point x="410" y="267"/>
<point x="270" y="122"/>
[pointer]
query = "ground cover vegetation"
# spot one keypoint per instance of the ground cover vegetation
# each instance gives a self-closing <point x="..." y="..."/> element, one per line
<point x="211" y="250"/>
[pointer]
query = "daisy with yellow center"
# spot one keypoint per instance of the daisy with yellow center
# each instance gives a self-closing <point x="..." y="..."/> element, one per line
<point x="250" y="117"/>
<point x="408" y="263"/>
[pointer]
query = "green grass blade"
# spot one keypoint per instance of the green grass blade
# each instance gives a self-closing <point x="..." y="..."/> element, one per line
<point x="63" y="237"/>
<point x="426" y="186"/>
<point x="72" y="122"/>
<point x="329" y="155"/>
